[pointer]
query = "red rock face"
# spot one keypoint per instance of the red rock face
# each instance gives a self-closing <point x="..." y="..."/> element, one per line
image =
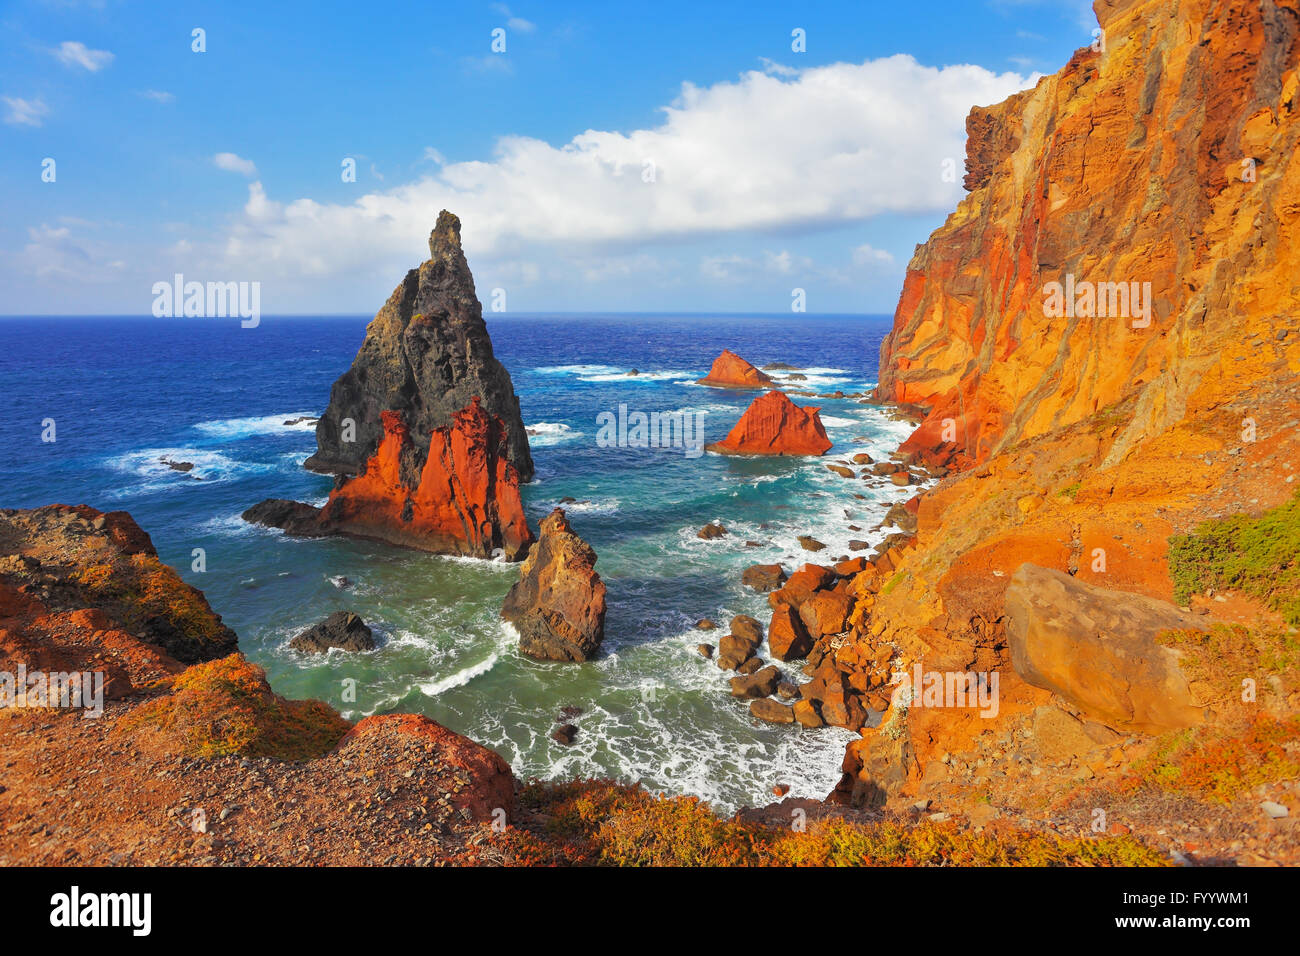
<point x="466" y="501"/>
<point x="731" y="371"/>
<point x="774" y="425"/>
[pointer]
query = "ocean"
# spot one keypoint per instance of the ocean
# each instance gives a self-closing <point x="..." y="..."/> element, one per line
<point x="125" y="393"/>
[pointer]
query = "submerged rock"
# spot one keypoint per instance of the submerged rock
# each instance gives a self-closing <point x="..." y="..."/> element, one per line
<point x="342" y="629"/>
<point x="558" y="603"/>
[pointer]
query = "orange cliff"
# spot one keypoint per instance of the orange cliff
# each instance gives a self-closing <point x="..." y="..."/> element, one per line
<point x="465" y="502"/>
<point x="1087" y="432"/>
<point x="1167" y="159"/>
<point x="774" y="425"/>
<point x="731" y="371"/>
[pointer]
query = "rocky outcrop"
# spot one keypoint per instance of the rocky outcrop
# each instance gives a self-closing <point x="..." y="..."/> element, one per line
<point x="465" y="500"/>
<point x="83" y="590"/>
<point x="1097" y="648"/>
<point x="774" y="425"/>
<point x="1080" y="435"/>
<point x="424" y="430"/>
<point x="558" y="603"/>
<point x="731" y="371"/>
<point x="283" y="781"/>
<point x="342" y="629"/>
<point x="487" y="793"/>
<point x="426" y="355"/>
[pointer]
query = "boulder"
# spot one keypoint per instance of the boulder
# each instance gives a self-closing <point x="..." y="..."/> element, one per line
<point x="742" y="625"/>
<point x="565" y="734"/>
<point x="774" y="425"/>
<point x="801" y="585"/>
<point x="763" y="577"/>
<point x="766" y="709"/>
<point x="806" y="712"/>
<point x="842" y="470"/>
<point x="731" y="371"/>
<point x="1097" y="649"/>
<point x="787" y="636"/>
<point x="826" y="612"/>
<point x="711" y="531"/>
<point x="759" y="684"/>
<point x="734" y="650"/>
<point x="342" y="629"/>
<point x="558" y="603"/>
<point x="809" y="543"/>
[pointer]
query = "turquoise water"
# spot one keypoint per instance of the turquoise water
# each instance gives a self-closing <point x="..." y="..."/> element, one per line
<point x="126" y="392"/>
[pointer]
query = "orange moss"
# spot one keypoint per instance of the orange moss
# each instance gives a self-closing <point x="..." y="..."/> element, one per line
<point x="610" y="824"/>
<point x="1220" y="765"/>
<point x="226" y="707"/>
<point x="144" y="588"/>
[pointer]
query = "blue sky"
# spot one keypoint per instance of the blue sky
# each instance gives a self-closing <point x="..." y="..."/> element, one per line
<point x="662" y="157"/>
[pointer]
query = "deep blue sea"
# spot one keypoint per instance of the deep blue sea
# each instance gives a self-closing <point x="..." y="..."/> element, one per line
<point x="124" y="393"/>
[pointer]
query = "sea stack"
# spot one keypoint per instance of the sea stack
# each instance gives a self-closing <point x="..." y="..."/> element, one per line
<point x="424" y="432"/>
<point x="731" y="371"/>
<point x="774" y="425"/>
<point x="558" y="603"/>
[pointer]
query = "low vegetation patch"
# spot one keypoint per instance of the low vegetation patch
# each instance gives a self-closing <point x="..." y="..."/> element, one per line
<point x="226" y="707"/>
<point x="610" y="824"/>
<point x="1259" y="556"/>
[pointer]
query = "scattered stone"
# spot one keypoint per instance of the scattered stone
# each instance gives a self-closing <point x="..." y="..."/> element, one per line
<point x="759" y="684"/>
<point x="769" y="710"/>
<point x="763" y="577"/>
<point x="342" y="629"/>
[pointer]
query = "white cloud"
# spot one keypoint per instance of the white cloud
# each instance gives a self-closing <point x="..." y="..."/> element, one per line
<point x="21" y="112"/>
<point x="866" y="255"/>
<point x="158" y="96"/>
<point x="236" y="164"/>
<point x="773" y="152"/>
<point x="72" y="53"/>
<point x="513" y="22"/>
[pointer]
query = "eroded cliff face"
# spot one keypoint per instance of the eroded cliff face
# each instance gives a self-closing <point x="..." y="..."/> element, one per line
<point x="1167" y="158"/>
<point x="1082" y="438"/>
<point x="464" y="500"/>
